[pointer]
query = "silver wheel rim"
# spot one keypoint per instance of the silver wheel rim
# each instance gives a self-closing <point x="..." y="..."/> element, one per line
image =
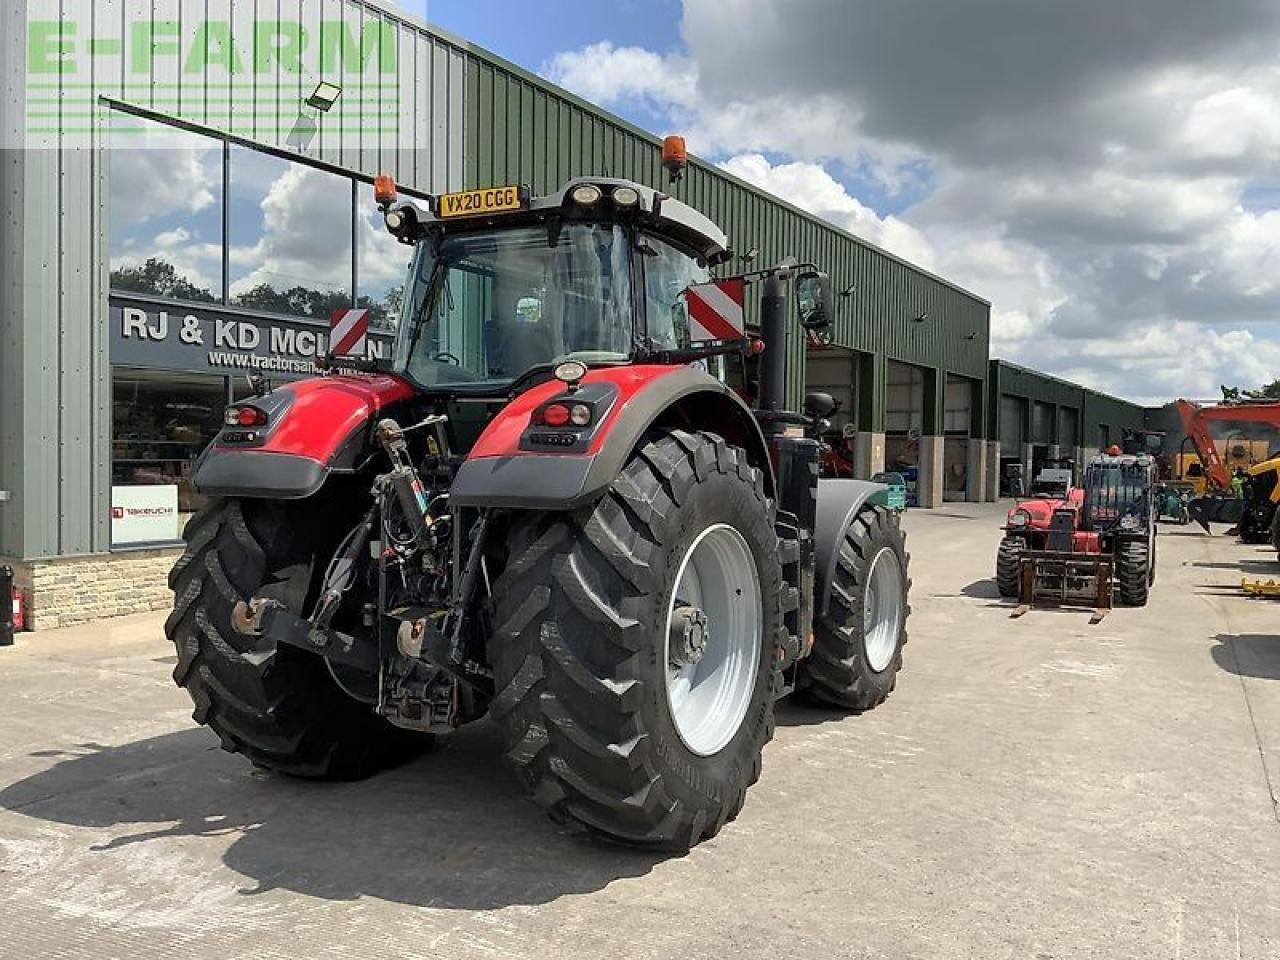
<point x="882" y="612"/>
<point x="708" y="698"/>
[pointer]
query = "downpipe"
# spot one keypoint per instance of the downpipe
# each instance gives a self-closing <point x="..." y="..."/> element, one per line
<point x="6" y="606"/>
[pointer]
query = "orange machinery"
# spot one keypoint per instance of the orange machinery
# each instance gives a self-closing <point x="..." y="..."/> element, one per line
<point x="1218" y="505"/>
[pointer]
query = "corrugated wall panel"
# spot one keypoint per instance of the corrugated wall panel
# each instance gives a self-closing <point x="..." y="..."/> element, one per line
<point x="510" y="142"/>
<point x="1080" y="407"/>
<point x="55" y="366"/>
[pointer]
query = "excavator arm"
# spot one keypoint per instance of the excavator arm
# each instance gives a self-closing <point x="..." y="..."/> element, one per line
<point x="1195" y="421"/>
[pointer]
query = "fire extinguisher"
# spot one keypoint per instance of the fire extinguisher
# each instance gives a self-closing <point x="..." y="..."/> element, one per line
<point x="9" y="606"/>
<point x="19" y="610"/>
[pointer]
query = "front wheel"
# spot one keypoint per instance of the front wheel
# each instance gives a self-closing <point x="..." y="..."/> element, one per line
<point x="1133" y="570"/>
<point x="637" y="645"/>
<point x="857" y="649"/>
<point x="1009" y="566"/>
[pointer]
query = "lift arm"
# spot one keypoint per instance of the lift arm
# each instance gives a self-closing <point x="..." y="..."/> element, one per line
<point x="1193" y="424"/>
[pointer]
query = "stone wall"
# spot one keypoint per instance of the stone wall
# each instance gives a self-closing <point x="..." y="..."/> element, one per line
<point x="69" y="590"/>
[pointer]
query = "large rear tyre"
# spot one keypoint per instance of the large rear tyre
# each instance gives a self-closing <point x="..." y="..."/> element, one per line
<point x="281" y="708"/>
<point x="1008" y="566"/>
<point x="637" y="646"/>
<point x="857" y="650"/>
<point x="1133" y="570"/>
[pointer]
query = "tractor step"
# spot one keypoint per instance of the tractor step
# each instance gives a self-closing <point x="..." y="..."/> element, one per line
<point x="1064" y="578"/>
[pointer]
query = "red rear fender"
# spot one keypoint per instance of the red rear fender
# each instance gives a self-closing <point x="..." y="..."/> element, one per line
<point x="313" y="427"/>
<point x="517" y="462"/>
<point x="326" y="411"/>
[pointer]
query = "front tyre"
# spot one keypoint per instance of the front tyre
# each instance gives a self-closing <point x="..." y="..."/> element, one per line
<point x="281" y="708"/>
<point x="1009" y="566"/>
<point x="637" y="646"/>
<point x="1133" y="570"/>
<point x="857" y="650"/>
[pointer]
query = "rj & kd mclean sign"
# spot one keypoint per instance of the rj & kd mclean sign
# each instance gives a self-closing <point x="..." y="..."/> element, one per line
<point x="220" y="340"/>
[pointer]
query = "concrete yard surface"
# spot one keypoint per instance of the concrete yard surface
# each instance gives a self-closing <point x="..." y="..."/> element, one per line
<point x="1035" y="788"/>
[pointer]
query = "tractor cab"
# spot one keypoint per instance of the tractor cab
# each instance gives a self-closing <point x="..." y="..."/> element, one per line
<point x="504" y="286"/>
<point x="1118" y="495"/>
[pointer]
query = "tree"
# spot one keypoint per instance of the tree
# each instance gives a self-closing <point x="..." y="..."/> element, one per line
<point x="296" y="301"/>
<point x="159" y="278"/>
<point x="1269" y="391"/>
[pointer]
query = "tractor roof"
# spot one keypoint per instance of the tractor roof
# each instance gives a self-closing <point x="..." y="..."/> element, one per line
<point x="656" y="210"/>
<point x="1123" y="460"/>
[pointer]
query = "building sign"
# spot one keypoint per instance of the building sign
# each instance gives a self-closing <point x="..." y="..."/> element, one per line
<point x="220" y="340"/>
<point x="146" y="514"/>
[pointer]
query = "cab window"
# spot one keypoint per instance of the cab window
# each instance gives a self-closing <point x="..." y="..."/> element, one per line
<point x="667" y="273"/>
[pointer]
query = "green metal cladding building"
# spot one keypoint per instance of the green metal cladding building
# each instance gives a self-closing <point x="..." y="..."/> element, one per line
<point x="174" y="214"/>
<point x="1038" y="416"/>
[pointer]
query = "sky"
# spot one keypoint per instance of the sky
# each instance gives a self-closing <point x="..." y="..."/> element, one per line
<point x="1107" y="175"/>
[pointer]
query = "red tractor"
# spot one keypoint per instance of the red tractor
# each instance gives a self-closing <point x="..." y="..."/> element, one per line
<point x="1079" y="549"/>
<point x="549" y="508"/>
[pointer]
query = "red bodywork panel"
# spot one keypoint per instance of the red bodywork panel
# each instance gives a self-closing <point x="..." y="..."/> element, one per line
<point x="326" y="411"/>
<point x="1041" y="511"/>
<point x="501" y="438"/>
<point x="1086" y="541"/>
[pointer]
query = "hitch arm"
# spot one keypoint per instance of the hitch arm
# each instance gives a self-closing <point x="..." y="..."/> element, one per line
<point x="271" y="620"/>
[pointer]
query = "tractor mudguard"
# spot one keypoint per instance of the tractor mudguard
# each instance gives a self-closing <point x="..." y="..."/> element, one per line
<point x="839" y="501"/>
<point x="314" y="427"/>
<point x="516" y="463"/>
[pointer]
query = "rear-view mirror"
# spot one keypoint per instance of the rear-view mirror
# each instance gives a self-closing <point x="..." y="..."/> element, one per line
<point x="813" y="299"/>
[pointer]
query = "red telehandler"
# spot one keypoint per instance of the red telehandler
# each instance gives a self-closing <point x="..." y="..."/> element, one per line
<point x="545" y="509"/>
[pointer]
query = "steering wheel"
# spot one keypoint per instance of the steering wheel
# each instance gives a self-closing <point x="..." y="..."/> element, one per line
<point x="447" y="358"/>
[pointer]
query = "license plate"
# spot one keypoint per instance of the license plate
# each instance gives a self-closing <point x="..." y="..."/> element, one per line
<point x="470" y="203"/>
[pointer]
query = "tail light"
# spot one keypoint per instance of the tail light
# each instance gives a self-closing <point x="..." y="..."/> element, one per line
<point x="244" y="417"/>
<point x="556" y="415"/>
<point x="564" y="415"/>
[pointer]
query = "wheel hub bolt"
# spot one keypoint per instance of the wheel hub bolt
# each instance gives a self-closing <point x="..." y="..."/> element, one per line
<point x="689" y="636"/>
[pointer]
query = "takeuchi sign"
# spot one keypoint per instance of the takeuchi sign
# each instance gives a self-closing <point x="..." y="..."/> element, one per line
<point x="162" y="336"/>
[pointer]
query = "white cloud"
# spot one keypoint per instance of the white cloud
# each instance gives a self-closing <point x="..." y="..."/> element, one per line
<point x="1084" y="172"/>
<point x="607" y="74"/>
<point x="149" y="181"/>
<point x="306" y="235"/>
<point x="812" y="188"/>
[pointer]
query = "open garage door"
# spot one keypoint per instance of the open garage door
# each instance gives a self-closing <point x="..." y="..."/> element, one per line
<point x="1011" y="425"/>
<point x="903" y="421"/>
<point x="835" y="372"/>
<point x="957" y="422"/>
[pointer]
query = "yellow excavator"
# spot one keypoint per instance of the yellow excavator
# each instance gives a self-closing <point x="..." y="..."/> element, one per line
<point x="1246" y="497"/>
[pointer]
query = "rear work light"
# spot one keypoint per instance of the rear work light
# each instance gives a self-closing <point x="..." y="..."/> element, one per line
<point x="244" y="417"/>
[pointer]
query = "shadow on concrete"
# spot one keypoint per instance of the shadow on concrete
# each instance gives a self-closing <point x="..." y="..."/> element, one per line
<point x="1260" y="566"/>
<point x="982" y="590"/>
<point x="801" y="713"/>
<point x="451" y="830"/>
<point x="1248" y="654"/>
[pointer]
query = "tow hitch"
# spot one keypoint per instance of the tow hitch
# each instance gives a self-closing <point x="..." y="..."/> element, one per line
<point x="263" y="617"/>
